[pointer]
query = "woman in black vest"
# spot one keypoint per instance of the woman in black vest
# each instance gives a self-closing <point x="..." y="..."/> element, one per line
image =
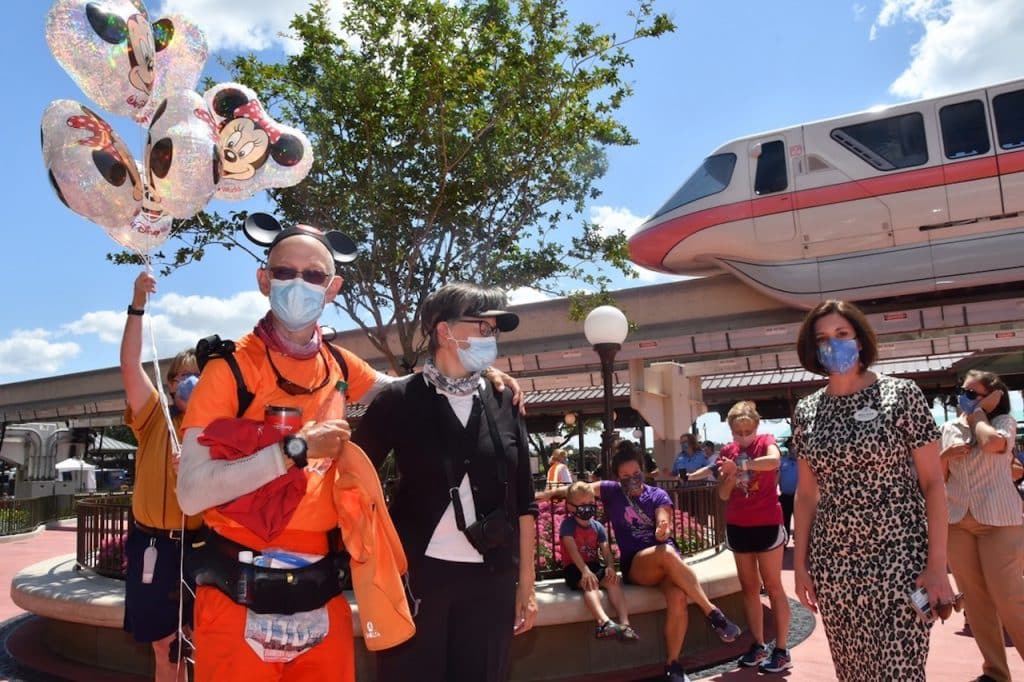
<point x="464" y="504"/>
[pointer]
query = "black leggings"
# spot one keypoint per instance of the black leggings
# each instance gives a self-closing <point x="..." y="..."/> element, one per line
<point x="787" y="511"/>
<point x="463" y="628"/>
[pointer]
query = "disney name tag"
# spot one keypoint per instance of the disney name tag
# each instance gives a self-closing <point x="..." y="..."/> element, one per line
<point x="865" y="414"/>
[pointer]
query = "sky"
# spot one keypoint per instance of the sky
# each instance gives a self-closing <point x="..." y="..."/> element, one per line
<point x="732" y="68"/>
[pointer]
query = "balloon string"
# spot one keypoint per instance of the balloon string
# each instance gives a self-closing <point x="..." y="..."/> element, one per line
<point x="158" y="382"/>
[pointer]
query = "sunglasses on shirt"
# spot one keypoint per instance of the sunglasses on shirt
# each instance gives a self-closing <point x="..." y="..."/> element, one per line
<point x="292" y="388"/>
<point x="314" y="277"/>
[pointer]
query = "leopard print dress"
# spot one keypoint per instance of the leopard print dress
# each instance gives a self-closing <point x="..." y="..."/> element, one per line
<point x="869" y="540"/>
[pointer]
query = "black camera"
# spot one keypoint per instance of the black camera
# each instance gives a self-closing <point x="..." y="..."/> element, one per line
<point x="490" y="532"/>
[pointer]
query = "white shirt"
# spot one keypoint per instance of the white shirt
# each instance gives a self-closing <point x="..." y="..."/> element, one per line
<point x="448" y="542"/>
<point x="980" y="482"/>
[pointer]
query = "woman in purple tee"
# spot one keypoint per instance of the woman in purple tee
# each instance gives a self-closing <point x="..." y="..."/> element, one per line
<point x="641" y="518"/>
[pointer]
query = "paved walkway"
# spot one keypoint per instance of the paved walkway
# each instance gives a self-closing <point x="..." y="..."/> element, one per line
<point x="954" y="656"/>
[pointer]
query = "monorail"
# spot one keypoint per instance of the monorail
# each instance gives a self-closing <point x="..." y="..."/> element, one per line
<point x="916" y="198"/>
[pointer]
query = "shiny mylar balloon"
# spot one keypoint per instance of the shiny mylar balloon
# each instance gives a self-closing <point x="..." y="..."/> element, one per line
<point x="256" y="151"/>
<point x="180" y="57"/>
<point x="146" y="231"/>
<point x="181" y="159"/>
<point x="108" y="50"/>
<point x="90" y="167"/>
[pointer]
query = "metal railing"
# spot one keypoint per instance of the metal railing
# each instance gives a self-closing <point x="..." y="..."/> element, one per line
<point x="698" y="524"/>
<point x="23" y="515"/>
<point x="103" y="524"/>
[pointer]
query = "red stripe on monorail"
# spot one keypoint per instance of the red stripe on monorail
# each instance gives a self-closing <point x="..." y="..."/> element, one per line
<point x="650" y="247"/>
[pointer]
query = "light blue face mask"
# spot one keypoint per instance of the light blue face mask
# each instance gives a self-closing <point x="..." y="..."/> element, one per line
<point x="838" y="356"/>
<point x="966" y="405"/>
<point x="296" y="303"/>
<point x="480" y="355"/>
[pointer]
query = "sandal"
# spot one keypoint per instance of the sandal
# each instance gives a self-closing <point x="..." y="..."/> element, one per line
<point x="627" y="633"/>
<point x="607" y="629"/>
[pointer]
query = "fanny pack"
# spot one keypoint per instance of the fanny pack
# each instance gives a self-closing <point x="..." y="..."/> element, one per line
<point x="214" y="562"/>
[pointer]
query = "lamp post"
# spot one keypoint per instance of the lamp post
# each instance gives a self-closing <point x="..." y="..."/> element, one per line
<point x="606" y="328"/>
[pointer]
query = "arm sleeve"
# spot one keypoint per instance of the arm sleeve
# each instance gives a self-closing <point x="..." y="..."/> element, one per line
<point x="380" y="382"/>
<point x="602" y="534"/>
<point x="361" y="377"/>
<point x="661" y="498"/>
<point x="525" y="504"/>
<point x="918" y="423"/>
<point x="376" y="430"/>
<point x="564" y="528"/>
<point x="204" y="482"/>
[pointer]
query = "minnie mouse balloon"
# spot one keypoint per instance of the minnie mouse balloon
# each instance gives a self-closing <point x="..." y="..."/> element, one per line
<point x="182" y="159"/>
<point x="89" y="166"/>
<point x="108" y="50"/>
<point x="180" y="57"/>
<point x="256" y="151"/>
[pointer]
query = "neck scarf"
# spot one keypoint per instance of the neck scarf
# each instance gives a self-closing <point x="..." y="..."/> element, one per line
<point x="455" y="386"/>
<point x="268" y="334"/>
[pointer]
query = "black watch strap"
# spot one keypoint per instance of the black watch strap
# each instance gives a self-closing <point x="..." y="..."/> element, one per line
<point x="132" y="310"/>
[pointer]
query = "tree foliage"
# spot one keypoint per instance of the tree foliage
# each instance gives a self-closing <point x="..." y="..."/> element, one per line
<point x="454" y="141"/>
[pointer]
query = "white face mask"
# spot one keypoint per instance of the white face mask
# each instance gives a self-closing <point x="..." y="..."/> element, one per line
<point x="481" y="354"/>
<point x="745" y="441"/>
<point x="296" y="303"/>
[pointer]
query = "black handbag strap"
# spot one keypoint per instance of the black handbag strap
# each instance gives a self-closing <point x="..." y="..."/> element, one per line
<point x="449" y="466"/>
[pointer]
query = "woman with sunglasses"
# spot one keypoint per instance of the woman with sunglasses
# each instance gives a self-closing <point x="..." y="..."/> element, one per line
<point x="986" y="533"/>
<point x="641" y="516"/>
<point x="870" y="503"/>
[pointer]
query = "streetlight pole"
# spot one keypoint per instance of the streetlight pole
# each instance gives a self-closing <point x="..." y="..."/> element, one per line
<point x="606" y="328"/>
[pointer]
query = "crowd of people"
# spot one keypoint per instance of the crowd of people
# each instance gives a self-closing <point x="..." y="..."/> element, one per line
<point x="273" y="501"/>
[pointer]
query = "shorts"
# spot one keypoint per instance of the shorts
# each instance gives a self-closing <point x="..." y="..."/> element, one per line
<point x="754" y="539"/>
<point x="573" y="575"/>
<point x="151" y="610"/>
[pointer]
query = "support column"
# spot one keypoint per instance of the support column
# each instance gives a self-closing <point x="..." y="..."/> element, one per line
<point x="669" y="400"/>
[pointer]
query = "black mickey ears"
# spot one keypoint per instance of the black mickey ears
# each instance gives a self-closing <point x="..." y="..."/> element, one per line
<point x="264" y="230"/>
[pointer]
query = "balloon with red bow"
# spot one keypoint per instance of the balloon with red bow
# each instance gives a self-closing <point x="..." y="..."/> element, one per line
<point x="108" y="50"/>
<point x="256" y="151"/>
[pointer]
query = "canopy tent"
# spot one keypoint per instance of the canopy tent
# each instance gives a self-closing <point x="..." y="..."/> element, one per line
<point x="79" y="472"/>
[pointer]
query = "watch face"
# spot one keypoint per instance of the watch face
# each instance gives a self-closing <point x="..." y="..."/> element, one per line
<point x="295" y="447"/>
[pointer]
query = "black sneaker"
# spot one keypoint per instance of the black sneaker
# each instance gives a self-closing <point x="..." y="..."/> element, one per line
<point x="758" y="654"/>
<point x="676" y="673"/>
<point x="726" y="630"/>
<point x="778" y="662"/>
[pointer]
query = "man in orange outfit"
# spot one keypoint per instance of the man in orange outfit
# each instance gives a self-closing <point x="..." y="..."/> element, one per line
<point x="284" y="362"/>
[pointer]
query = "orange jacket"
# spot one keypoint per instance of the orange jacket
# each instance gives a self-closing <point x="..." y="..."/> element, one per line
<point x="378" y="560"/>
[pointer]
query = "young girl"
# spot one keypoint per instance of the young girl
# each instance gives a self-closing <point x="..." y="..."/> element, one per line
<point x="748" y="481"/>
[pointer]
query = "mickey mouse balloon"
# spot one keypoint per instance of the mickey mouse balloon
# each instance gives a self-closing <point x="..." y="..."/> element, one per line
<point x="256" y="151"/>
<point x="108" y="50"/>
<point x="90" y="168"/>
<point x="182" y="161"/>
<point x="180" y="57"/>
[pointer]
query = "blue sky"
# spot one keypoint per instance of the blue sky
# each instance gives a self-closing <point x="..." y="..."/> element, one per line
<point x="733" y="68"/>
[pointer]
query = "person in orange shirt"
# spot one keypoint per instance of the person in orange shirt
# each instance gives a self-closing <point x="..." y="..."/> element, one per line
<point x="252" y="622"/>
<point x="151" y="596"/>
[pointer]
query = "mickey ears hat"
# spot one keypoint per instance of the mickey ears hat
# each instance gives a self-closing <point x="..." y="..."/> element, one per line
<point x="264" y="230"/>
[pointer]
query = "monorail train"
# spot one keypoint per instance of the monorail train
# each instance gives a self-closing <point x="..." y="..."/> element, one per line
<point x="919" y="197"/>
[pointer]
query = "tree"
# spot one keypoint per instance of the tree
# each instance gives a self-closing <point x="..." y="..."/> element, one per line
<point x="454" y="141"/>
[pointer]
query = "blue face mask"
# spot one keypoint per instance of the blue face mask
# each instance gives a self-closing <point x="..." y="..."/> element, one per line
<point x="185" y="387"/>
<point x="480" y="355"/>
<point x="296" y="303"/>
<point x="838" y="356"/>
<point x="966" y="405"/>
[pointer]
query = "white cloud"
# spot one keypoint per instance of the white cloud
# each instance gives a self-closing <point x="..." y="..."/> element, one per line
<point x="611" y="219"/>
<point x="527" y="295"/>
<point x="250" y="26"/>
<point x="966" y="43"/>
<point x="34" y="352"/>
<point x="178" y="321"/>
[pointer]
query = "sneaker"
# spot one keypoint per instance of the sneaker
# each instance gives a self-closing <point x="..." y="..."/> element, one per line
<point x="778" y="662"/>
<point x="676" y="673"/>
<point x="726" y="630"/>
<point x="758" y="654"/>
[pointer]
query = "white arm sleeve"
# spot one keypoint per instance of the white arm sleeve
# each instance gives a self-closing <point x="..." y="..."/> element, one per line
<point x="379" y="382"/>
<point x="204" y="482"/>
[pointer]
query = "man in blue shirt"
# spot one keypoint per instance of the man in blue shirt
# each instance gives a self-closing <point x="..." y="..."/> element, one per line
<point x="690" y="457"/>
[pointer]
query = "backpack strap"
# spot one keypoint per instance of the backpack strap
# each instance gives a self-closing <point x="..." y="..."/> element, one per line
<point x="214" y="347"/>
<point x="342" y="365"/>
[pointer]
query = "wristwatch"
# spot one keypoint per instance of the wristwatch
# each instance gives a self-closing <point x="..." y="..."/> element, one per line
<point x="295" y="448"/>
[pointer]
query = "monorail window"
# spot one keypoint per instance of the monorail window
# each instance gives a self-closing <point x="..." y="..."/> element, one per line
<point x="889" y="143"/>
<point x="1009" y="111"/>
<point x="964" y="132"/>
<point x="771" y="168"/>
<point x="711" y="178"/>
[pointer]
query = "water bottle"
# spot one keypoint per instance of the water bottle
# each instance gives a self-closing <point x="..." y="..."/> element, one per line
<point x="246" y="577"/>
<point x="742" y="477"/>
<point x="149" y="562"/>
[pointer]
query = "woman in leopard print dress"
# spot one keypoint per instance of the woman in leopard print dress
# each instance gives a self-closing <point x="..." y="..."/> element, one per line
<point x="868" y="528"/>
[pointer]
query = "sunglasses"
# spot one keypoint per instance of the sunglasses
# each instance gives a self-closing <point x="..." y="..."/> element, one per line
<point x="292" y="388"/>
<point x="971" y="393"/>
<point x="314" y="277"/>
